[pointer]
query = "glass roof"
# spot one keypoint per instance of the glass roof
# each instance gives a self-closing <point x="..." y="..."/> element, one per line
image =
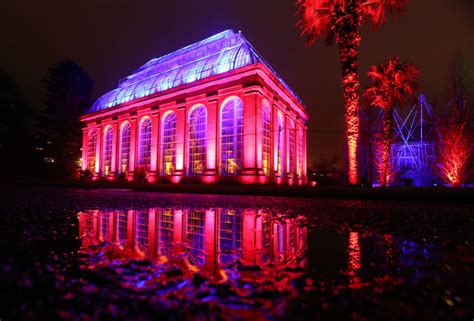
<point x="217" y="54"/>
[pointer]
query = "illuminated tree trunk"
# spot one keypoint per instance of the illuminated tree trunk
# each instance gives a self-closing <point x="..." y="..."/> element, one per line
<point x="386" y="146"/>
<point x="348" y="20"/>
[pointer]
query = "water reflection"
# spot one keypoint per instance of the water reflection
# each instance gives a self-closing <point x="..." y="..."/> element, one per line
<point x="246" y="263"/>
<point x="203" y="240"/>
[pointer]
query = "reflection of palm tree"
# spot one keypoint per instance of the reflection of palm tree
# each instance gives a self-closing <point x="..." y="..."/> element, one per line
<point x="342" y="20"/>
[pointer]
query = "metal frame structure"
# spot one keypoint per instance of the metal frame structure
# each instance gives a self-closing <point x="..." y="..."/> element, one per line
<point x="413" y="152"/>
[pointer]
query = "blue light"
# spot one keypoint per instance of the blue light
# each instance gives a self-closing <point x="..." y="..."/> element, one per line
<point x="217" y="54"/>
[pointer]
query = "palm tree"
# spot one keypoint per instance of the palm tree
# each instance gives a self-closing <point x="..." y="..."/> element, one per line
<point x="342" y="20"/>
<point x="392" y="84"/>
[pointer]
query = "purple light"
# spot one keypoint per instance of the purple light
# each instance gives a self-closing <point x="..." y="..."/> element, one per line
<point x="217" y="54"/>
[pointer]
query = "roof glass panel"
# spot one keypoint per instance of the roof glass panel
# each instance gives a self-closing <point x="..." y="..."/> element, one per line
<point x="215" y="55"/>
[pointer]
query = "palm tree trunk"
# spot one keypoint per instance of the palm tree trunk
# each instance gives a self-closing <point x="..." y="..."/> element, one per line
<point x="386" y="145"/>
<point x="348" y="20"/>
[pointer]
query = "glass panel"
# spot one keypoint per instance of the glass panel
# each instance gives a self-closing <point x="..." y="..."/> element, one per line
<point x="124" y="148"/>
<point x="292" y="148"/>
<point x="197" y="141"/>
<point x="141" y="236"/>
<point x="168" y="143"/>
<point x="281" y="144"/>
<point x="231" y="137"/>
<point x="195" y="228"/>
<point x="145" y="142"/>
<point x="91" y="150"/>
<point x="266" y="115"/>
<point x="165" y="233"/>
<point x="108" y="150"/>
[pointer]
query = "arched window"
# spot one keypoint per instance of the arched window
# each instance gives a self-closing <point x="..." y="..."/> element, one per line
<point x="197" y="141"/>
<point x="144" y="141"/>
<point x="267" y="121"/>
<point x="300" y="152"/>
<point x="108" y="150"/>
<point x="280" y="142"/>
<point x="230" y="235"/>
<point x="231" y="136"/>
<point x="141" y="231"/>
<point x="91" y="150"/>
<point x="292" y="148"/>
<point x="124" y="147"/>
<point x="168" y="143"/>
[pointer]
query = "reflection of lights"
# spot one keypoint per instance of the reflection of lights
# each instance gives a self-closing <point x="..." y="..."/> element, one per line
<point x="210" y="240"/>
<point x="354" y="262"/>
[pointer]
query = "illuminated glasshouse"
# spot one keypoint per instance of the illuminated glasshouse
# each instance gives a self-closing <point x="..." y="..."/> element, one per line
<point x="212" y="111"/>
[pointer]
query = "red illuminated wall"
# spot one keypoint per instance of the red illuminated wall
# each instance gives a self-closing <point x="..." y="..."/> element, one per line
<point x="255" y="85"/>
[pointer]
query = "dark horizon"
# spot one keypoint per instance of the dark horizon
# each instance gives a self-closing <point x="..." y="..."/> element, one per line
<point x="112" y="39"/>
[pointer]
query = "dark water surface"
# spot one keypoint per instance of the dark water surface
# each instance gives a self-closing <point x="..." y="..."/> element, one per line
<point x="115" y="254"/>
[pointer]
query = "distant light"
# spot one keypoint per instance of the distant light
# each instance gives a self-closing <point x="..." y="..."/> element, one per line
<point x="49" y="160"/>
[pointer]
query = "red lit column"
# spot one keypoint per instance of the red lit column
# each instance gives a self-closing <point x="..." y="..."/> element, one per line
<point x="305" y="165"/>
<point x="84" y="148"/>
<point x="178" y="232"/>
<point x="298" y="145"/>
<point x="111" y="226"/>
<point x="155" y="129"/>
<point x="249" y="249"/>
<point x="276" y="143"/>
<point x="95" y="224"/>
<point x="130" y="230"/>
<point x="287" y="143"/>
<point x="113" y="161"/>
<point x="133" y="147"/>
<point x="98" y="153"/>
<point x="210" y="241"/>
<point x="152" y="228"/>
<point x="212" y="119"/>
<point x="180" y="140"/>
<point x="252" y="101"/>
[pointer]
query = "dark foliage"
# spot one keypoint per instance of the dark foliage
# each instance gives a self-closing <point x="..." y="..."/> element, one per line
<point x="68" y="95"/>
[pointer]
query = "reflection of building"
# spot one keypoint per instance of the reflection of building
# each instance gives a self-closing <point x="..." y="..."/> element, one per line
<point x="207" y="237"/>
<point x="211" y="110"/>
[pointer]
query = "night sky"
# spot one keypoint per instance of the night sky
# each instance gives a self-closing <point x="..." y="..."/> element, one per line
<point x="111" y="38"/>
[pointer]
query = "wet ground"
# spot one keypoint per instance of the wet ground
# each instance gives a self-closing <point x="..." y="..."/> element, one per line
<point x="115" y="254"/>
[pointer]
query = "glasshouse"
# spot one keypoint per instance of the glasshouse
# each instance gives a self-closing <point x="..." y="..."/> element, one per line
<point x="209" y="112"/>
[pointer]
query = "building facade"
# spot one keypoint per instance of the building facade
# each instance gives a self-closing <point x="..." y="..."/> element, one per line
<point x="212" y="111"/>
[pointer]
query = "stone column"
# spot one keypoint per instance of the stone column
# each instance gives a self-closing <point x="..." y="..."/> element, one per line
<point x="152" y="229"/>
<point x="133" y="148"/>
<point x="130" y="230"/>
<point x="180" y="140"/>
<point x="85" y="133"/>
<point x="249" y="237"/>
<point x="210" y="240"/>
<point x="98" y="153"/>
<point x="287" y="143"/>
<point x="305" y="164"/>
<point x="113" y="161"/>
<point x="155" y="123"/>
<point x="178" y="236"/>
<point x="212" y="128"/>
